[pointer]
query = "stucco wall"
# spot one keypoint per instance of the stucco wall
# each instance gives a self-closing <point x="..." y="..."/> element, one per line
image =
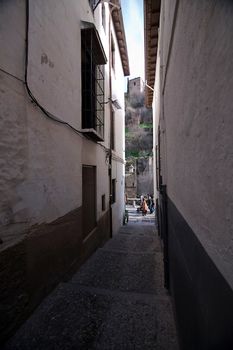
<point x="117" y="81"/>
<point x="39" y="171"/>
<point x="198" y="108"/>
<point x="41" y="161"/>
<point x="156" y="115"/>
<point x="117" y="92"/>
<point x="193" y="107"/>
<point x="41" y="212"/>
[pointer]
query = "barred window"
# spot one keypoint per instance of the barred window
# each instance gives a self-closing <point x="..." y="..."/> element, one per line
<point x="93" y="60"/>
<point x="93" y="3"/>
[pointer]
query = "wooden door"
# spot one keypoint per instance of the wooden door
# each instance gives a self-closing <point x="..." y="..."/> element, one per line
<point x="89" y="199"/>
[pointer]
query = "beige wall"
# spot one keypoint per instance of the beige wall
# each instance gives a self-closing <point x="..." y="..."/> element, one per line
<point x="117" y="90"/>
<point x="41" y="209"/>
<point x="197" y="106"/>
<point x="41" y="161"/>
<point x="41" y="177"/>
<point x="118" y="154"/>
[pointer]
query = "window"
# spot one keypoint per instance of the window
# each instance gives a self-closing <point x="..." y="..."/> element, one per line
<point x="93" y="60"/>
<point x="112" y="53"/>
<point x="103" y="17"/>
<point x="88" y="199"/>
<point x="93" y="4"/>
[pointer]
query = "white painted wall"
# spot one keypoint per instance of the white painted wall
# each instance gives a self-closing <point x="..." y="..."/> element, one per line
<point x="117" y="87"/>
<point x="40" y="171"/>
<point x="93" y="155"/>
<point x="118" y="167"/>
<point x="156" y="108"/>
<point x="198" y="124"/>
<point x="41" y="161"/>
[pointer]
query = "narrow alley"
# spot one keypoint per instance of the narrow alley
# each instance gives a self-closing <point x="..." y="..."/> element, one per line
<point x="115" y="301"/>
<point x="106" y="105"/>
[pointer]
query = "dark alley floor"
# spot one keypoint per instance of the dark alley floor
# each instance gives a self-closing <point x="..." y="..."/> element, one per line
<point x="115" y="301"/>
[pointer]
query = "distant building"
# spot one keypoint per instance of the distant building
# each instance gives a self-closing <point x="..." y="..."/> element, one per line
<point x="138" y="141"/>
<point x="62" y="142"/>
<point x="145" y="181"/>
<point x="135" y="86"/>
<point x="131" y="179"/>
<point x="188" y="51"/>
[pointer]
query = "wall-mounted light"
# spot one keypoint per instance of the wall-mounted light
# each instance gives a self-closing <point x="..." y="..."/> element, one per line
<point x="115" y="103"/>
<point x="112" y="4"/>
<point x="108" y="2"/>
<point x="145" y="83"/>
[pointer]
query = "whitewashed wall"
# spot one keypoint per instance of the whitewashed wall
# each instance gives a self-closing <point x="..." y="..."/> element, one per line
<point x="41" y="161"/>
<point x="117" y="87"/>
<point x="198" y="124"/>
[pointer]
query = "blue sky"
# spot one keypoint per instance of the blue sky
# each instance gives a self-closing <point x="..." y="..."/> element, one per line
<point x="134" y="31"/>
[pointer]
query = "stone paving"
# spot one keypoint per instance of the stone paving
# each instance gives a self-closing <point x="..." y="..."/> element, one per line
<point x="115" y="301"/>
<point x="137" y="217"/>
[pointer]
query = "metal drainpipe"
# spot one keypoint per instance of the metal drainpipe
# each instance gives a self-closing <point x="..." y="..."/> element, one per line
<point x="110" y="139"/>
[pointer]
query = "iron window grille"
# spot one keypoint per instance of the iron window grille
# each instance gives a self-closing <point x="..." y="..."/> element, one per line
<point x="93" y="4"/>
<point x="93" y="60"/>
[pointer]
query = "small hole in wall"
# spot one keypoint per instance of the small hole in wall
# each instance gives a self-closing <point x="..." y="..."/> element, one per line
<point x="103" y="202"/>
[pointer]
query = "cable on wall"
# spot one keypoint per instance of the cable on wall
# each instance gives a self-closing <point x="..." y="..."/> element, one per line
<point x="33" y="98"/>
<point x="11" y="75"/>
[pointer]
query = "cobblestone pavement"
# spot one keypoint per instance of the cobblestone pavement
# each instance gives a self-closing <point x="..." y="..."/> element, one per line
<point x="136" y="216"/>
<point x="115" y="301"/>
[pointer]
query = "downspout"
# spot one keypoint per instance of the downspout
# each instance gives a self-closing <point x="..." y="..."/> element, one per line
<point x="110" y="139"/>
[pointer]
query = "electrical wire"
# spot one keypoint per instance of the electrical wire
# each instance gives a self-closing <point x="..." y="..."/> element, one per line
<point x="98" y="2"/>
<point x="11" y="75"/>
<point x="32" y="97"/>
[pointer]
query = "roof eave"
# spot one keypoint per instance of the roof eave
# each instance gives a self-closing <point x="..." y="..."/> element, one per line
<point x="120" y="34"/>
<point x="151" y="26"/>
